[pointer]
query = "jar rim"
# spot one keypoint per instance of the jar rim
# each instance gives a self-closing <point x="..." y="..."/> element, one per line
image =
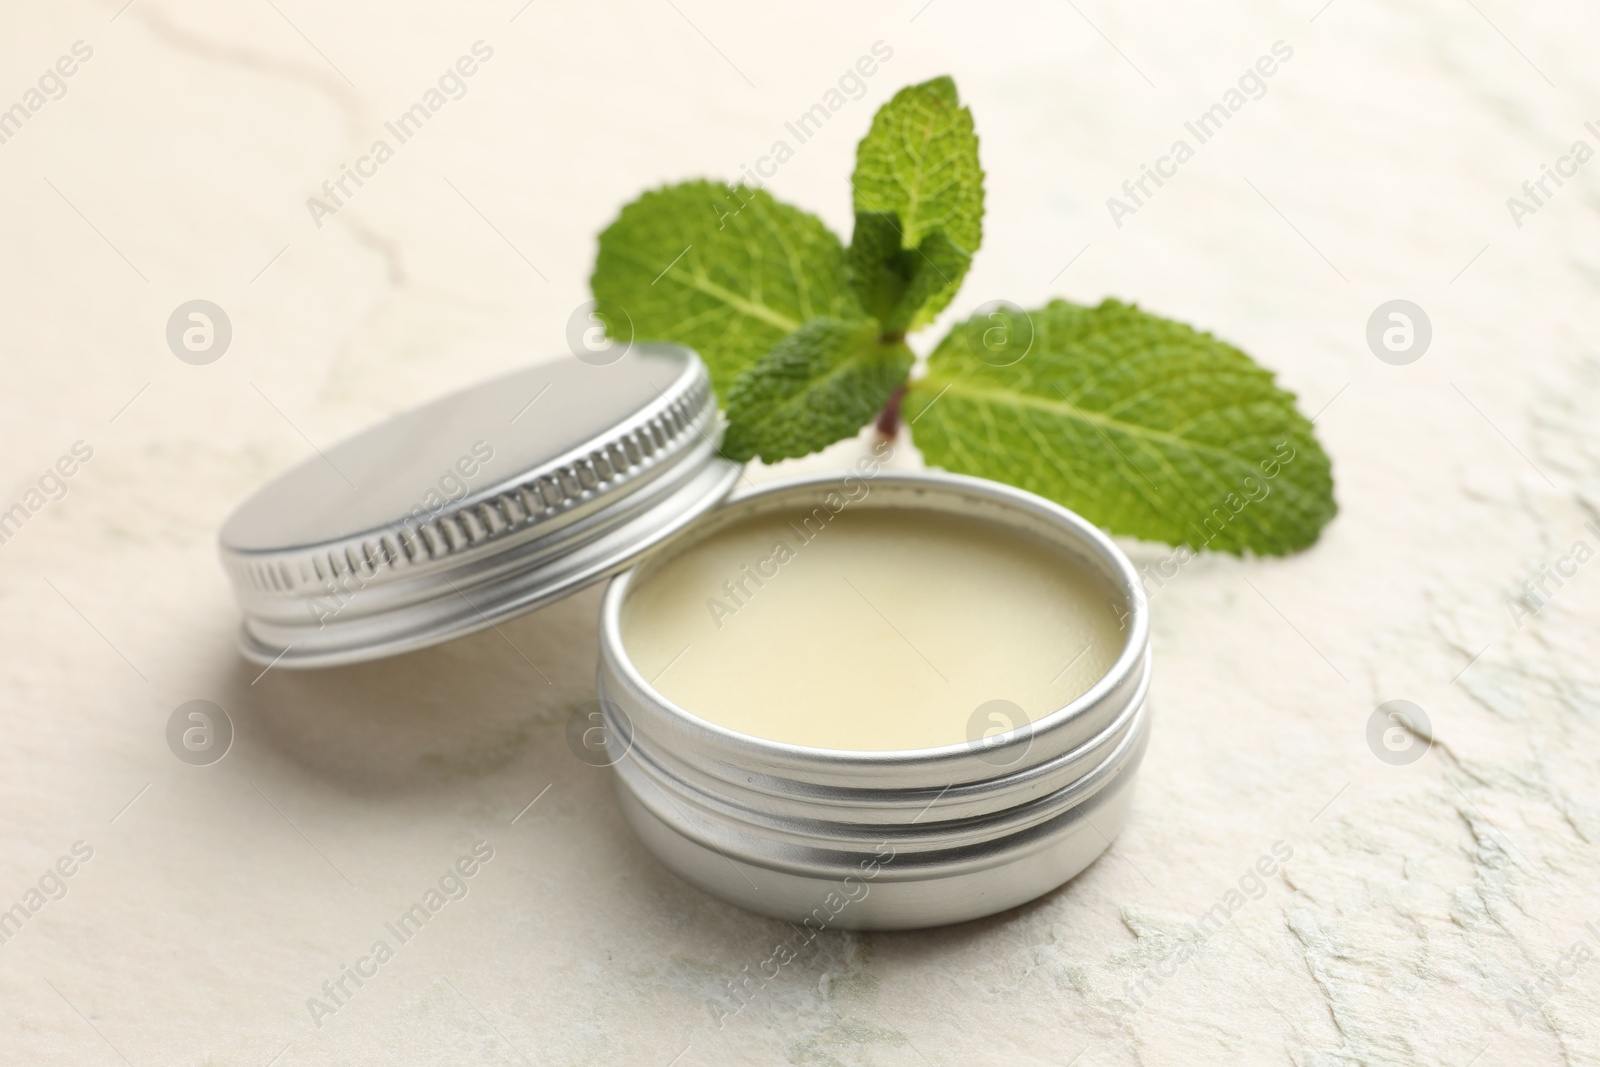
<point x="1114" y="563"/>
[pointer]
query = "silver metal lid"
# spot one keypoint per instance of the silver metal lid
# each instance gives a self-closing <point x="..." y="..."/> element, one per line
<point x="476" y="507"/>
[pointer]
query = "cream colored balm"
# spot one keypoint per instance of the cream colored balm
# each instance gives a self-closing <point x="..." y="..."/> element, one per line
<point x="874" y="629"/>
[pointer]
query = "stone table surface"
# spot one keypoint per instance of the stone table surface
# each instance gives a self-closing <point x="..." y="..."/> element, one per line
<point x="1442" y="910"/>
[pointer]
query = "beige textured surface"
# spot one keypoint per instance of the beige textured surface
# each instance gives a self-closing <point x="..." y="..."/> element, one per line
<point x="1422" y="902"/>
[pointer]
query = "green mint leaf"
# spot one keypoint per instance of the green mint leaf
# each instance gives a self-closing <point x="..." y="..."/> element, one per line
<point x="1144" y="426"/>
<point x="895" y="284"/>
<point x="821" y="384"/>
<point x="918" y="169"/>
<point x="726" y="270"/>
<point x="920" y="161"/>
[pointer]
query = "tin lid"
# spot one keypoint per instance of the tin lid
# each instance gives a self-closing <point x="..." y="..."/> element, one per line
<point x="473" y="508"/>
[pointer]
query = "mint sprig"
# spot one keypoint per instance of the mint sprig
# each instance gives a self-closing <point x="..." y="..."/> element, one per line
<point x="1145" y="426"/>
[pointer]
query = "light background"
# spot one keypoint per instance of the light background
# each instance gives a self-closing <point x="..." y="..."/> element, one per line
<point x="1422" y="901"/>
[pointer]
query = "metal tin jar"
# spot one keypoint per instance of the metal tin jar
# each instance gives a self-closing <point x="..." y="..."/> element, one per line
<point x="883" y="840"/>
<point x="515" y="492"/>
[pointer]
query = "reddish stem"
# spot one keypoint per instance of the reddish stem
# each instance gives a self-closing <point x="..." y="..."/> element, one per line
<point x="889" y="417"/>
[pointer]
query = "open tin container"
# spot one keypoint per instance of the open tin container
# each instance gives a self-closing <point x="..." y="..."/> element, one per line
<point x="516" y="492"/>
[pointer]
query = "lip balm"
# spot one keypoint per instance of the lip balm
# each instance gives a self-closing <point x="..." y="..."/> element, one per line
<point x="871" y="629"/>
<point x="880" y="701"/>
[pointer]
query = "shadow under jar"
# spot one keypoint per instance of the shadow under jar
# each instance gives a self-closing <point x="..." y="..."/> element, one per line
<point x="879" y="701"/>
